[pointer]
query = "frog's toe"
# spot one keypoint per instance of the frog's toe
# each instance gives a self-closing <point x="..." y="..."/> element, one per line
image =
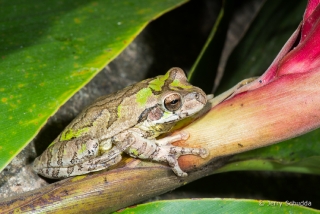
<point x="184" y="135"/>
<point x="204" y="152"/>
<point x="181" y="174"/>
<point x="173" y="162"/>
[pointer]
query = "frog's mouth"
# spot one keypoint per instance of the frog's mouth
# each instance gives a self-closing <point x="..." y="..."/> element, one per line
<point x="191" y="106"/>
<point x="171" y="117"/>
<point x="188" y="113"/>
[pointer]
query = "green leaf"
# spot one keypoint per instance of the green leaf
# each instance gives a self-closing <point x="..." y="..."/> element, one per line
<point x="218" y="206"/>
<point x="50" y="49"/>
<point x="270" y="30"/>
<point x="300" y="154"/>
<point x="204" y="70"/>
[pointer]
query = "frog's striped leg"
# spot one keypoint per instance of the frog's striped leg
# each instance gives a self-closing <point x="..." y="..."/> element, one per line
<point x="89" y="160"/>
<point x="56" y="160"/>
<point x="104" y="161"/>
<point x="107" y="158"/>
<point x="99" y="163"/>
<point x="112" y="157"/>
<point x="170" y="139"/>
<point x="162" y="150"/>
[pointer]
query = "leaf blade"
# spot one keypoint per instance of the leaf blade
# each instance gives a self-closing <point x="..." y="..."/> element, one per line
<point x="51" y="50"/>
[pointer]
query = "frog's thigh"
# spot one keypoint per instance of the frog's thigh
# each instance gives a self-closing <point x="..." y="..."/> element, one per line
<point x="108" y="157"/>
<point x="112" y="157"/>
<point x="63" y="154"/>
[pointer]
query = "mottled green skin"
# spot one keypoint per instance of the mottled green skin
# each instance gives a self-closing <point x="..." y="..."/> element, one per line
<point x="126" y="121"/>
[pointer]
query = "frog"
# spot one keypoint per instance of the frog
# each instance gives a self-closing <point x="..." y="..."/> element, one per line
<point x="128" y="121"/>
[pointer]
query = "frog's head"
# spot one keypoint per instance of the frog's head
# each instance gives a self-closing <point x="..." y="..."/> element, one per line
<point x="177" y="99"/>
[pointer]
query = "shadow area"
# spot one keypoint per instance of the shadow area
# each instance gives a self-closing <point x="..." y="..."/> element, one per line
<point x="184" y="31"/>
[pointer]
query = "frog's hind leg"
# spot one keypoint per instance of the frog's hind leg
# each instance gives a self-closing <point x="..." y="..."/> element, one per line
<point x="170" y="154"/>
<point x="108" y="157"/>
<point x="112" y="157"/>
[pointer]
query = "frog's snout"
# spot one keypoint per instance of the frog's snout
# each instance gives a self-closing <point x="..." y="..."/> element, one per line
<point x="201" y="97"/>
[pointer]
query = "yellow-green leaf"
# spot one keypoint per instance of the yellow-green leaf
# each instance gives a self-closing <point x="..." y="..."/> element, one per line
<point x="50" y="49"/>
<point x="218" y="205"/>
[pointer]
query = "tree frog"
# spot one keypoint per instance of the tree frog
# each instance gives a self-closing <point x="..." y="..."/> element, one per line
<point x="127" y="121"/>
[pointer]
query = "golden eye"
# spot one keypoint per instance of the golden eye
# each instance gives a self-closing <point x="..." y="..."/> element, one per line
<point x="172" y="102"/>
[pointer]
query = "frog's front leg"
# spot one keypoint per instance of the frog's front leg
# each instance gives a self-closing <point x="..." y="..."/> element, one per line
<point x="162" y="150"/>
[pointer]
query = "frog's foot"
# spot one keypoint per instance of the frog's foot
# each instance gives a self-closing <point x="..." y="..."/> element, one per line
<point x="169" y="153"/>
<point x="162" y="150"/>
<point x="96" y="165"/>
<point x="104" y="161"/>
<point x="182" y="135"/>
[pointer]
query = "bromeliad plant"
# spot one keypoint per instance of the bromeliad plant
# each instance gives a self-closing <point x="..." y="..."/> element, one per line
<point x="280" y="104"/>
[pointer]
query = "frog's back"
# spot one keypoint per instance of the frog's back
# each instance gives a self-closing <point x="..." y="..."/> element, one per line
<point x="108" y="115"/>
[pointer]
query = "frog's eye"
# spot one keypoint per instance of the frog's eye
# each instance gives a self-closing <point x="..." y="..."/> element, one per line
<point x="172" y="102"/>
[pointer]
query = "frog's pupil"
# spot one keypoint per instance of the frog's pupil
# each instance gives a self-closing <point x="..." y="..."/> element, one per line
<point x="173" y="102"/>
